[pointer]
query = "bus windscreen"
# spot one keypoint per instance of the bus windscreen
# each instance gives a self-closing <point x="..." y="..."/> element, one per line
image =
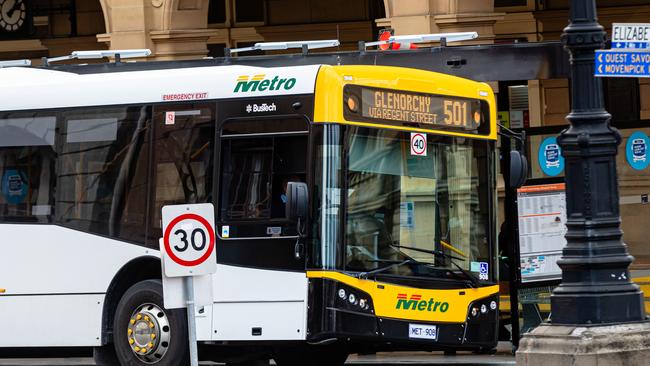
<point x="429" y="111"/>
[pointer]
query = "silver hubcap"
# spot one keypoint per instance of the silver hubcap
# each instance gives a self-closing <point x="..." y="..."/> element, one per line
<point x="149" y="333"/>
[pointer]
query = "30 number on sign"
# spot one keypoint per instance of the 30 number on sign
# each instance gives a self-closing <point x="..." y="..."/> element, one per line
<point x="183" y="234"/>
<point x="418" y="144"/>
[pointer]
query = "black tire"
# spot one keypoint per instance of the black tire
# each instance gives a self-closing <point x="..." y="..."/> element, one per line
<point x="176" y="352"/>
<point x="313" y="356"/>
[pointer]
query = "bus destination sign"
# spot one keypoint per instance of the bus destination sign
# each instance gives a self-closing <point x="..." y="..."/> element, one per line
<point x="427" y="110"/>
<point x="381" y="104"/>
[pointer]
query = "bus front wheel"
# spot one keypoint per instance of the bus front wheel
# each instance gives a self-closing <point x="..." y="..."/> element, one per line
<point x="145" y="333"/>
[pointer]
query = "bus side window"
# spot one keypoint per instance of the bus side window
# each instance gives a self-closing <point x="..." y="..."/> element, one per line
<point x="246" y="178"/>
<point x="27" y="165"/>
<point x="183" y="154"/>
<point x="102" y="171"/>
<point x="255" y="174"/>
<point x="257" y="163"/>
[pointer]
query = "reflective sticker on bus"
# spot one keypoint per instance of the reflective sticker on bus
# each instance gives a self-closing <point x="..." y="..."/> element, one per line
<point x="274" y="230"/>
<point x="170" y="118"/>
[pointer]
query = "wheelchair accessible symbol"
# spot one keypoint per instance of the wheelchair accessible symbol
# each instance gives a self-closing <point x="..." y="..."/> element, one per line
<point x="483" y="273"/>
<point x="550" y="157"/>
<point x="636" y="151"/>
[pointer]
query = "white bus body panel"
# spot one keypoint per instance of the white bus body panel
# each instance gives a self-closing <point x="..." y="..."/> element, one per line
<point x="51" y="320"/>
<point x="55" y="280"/>
<point x="247" y="298"/>
<point x="34" y="89"/>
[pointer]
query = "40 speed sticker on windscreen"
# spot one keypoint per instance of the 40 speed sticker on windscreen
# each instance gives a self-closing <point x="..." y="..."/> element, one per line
<point x="418" y="144"/>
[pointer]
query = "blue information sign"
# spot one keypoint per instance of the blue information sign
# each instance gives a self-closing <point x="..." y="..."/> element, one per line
<point x="622" y="63"/>
<point x="14" y="186"/>
<point x="632" y="45"/>
<point x="636" y="150"/>
<point x="550" y="157"/>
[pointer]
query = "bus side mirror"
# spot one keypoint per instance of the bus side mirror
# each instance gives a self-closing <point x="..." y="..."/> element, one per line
<point x="518" y="169"/>
<point x="297" y="201"/>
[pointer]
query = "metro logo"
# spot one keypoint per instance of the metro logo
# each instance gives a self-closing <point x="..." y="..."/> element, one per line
<point x="261" y="83"/>
<point x="416" y="303"/>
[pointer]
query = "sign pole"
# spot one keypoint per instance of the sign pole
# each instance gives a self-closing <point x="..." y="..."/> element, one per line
<point x="188" y="249"/>
<point x="191" y="321"/>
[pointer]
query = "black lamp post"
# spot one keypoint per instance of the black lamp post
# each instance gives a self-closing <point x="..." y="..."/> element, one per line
<point x="596" y="286"/>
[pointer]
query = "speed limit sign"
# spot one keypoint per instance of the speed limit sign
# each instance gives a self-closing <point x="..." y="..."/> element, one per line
<point x="418" y="144"/>
<point x="188" y="250"/>
<point x="188" y="245"/>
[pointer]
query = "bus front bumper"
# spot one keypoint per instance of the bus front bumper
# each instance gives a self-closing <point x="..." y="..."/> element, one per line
<point x="409" y="335"/>
<point x="336" y="313"/>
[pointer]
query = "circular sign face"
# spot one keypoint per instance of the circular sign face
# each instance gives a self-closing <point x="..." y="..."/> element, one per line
<point x="550" y="157"/>
<point x="636" y="150"/>
<point x="189" y="240"/>
<point x="418" y="144"/>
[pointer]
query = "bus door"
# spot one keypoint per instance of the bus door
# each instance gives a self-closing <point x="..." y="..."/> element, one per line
<point x="260" y="284"/>
<point x="183" y="160"/>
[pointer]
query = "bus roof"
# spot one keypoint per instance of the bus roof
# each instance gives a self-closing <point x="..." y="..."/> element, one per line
<point x="36" y="88"/>
<point x="27" y="88"/>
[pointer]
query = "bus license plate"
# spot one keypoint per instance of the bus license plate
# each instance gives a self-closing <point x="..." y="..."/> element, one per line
<point x="423" y="331"/>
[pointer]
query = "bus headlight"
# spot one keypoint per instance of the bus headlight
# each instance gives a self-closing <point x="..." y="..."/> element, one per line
<point x="481" y="308"/>
<point x="353" y="299"/>
<point x="474" y="311"/>
<point x="342" y="294"/>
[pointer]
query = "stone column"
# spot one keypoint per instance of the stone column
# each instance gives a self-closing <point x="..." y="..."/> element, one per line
<point x="172" y="29"/>
<point x="440" y="16"/>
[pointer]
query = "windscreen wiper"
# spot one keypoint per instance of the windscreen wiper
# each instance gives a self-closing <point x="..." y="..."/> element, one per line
<point x="365" y="275"/>
<point x="443" y="254"/>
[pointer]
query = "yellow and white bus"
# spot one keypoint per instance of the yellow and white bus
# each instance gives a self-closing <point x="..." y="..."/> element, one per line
<point x="355" y="209"/>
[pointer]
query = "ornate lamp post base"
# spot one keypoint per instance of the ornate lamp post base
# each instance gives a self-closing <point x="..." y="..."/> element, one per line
<point x="611" y="345"/>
